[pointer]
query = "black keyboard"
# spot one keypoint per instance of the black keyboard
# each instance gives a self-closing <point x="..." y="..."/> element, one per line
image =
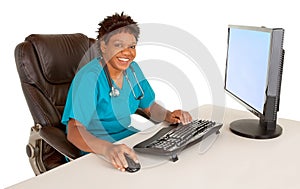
<point x="173" y="139"/>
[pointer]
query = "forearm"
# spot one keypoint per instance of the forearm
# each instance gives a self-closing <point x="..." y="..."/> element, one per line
<point x="85" y="141"/>
<point x="157" y="113"/>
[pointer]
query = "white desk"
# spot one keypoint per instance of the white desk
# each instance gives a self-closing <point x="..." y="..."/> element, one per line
<point x="232" y="162"/>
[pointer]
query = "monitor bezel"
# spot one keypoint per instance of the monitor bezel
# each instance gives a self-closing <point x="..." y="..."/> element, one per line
<point x="250" y="108"/>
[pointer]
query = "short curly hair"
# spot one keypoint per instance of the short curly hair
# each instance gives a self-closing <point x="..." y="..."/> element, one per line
<point x="115" y="24"/>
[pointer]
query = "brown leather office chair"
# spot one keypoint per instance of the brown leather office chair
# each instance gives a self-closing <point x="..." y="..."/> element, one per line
<point x="46" y="65"/>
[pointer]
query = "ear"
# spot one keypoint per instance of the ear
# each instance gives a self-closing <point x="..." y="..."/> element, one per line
<point x="102" y="46"/>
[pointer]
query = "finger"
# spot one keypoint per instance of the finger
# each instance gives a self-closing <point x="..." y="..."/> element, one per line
<point x="123" y="161"/>
<point x="184" y="119"/>
<point x="175" y="119"/>
<point x="119" y="164"/>
<point x="182" y="116"/>
<point x="187" y="118"/>
<point x="132" y="155"/>
<point x="113" y="162"/>
<point x="177" y="116"/>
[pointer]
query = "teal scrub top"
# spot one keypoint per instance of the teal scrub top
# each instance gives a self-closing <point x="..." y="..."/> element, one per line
<point x="105" y="117"/>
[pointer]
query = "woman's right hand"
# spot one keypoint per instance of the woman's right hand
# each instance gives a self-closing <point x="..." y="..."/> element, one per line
<point x="114" y="153"/>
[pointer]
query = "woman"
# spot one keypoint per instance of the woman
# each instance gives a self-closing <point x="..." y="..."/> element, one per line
<point x="107" y="90"/>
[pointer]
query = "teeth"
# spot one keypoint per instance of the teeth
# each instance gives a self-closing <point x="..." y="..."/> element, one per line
<point x="123" y="59"/>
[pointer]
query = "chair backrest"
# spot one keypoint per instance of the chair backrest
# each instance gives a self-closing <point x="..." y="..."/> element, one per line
<point x="46" y="65"/>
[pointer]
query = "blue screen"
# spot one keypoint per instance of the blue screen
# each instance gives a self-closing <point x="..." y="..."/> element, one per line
<point x="247" y="66"/>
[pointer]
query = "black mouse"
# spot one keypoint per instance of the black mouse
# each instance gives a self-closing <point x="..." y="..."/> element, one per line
<point x="132" y="165"/>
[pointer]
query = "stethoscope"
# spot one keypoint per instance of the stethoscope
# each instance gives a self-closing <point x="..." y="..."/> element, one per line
<point x="114" y="92"/>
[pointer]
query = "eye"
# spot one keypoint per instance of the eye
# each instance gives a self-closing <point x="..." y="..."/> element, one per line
<point x="132" y="46"/>
<point x="118" y="45"/>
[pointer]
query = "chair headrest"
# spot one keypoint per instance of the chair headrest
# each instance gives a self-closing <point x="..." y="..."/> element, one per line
<point x="59" y="55"/>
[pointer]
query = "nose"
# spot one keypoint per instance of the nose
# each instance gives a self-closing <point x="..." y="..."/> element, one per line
<point x="127" y="51"/>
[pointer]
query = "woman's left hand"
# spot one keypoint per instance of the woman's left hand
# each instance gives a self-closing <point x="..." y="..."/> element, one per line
<point x="179" y="116"/>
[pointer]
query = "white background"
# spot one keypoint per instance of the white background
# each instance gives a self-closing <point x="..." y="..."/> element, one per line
<point x="206" y="20"/>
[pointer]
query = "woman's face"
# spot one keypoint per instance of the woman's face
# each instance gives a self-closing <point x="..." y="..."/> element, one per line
<point x="119" y="51"/>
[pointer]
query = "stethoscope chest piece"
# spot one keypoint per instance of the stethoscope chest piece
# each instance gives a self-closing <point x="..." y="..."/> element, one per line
<point x="114" y="92"/>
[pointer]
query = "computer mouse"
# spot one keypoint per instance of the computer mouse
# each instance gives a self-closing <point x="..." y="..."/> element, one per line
<point x="132" y="165"/>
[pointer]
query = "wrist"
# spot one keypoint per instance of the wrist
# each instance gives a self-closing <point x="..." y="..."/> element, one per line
<point x="168" y="116"/>
<point x="104" y="147"/>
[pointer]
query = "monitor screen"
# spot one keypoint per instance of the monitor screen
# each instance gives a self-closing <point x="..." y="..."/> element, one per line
<point x="253" y="73"/>
<point x="247" y="66"/>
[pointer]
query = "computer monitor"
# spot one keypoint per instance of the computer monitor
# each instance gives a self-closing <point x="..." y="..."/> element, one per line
<point x="253" y="78"/>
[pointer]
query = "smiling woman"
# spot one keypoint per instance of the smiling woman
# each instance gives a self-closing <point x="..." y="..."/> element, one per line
<point x="107" y="90"/>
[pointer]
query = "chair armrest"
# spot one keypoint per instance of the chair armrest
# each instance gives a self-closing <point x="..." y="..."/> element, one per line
<point x="58" y="140"/>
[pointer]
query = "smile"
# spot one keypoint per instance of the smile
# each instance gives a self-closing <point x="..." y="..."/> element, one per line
<point x="123" y="59"/>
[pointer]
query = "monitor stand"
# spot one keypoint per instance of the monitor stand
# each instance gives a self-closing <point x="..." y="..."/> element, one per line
<point x="252" y="128"/>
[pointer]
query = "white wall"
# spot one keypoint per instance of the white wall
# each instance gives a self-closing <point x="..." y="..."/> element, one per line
<point x="206" y="20"/>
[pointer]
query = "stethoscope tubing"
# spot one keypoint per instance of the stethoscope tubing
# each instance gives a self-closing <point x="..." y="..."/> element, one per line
<point x="138" y="83"/>
<point x="115" y="92"/>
